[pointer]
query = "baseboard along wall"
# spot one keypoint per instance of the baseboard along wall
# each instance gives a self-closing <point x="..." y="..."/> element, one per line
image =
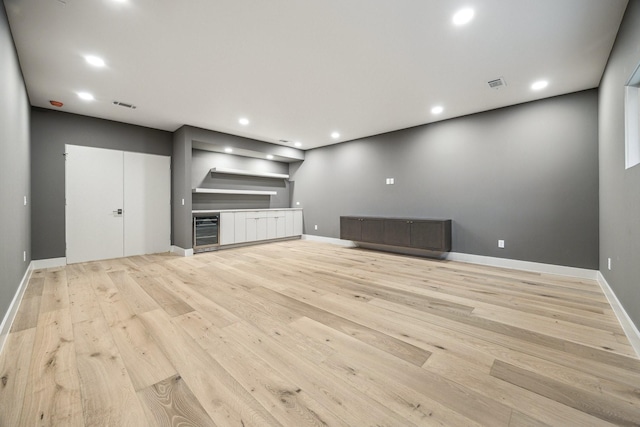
<point x="5" y="327"/>
<point x="630" y="329"/>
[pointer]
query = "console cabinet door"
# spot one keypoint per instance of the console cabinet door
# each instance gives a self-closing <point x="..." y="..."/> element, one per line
<point x="429" y="235"/>
<point x="372" y="230"/>
<point x="350" y="228"/>
<point x="397" y="232"/>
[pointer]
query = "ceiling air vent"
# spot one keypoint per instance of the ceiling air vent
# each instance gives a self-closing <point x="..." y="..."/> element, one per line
<point x="497" y="83"/>
<point x="124" y="104"/>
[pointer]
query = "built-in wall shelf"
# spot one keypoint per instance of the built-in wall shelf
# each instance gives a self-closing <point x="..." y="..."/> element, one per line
<point x="228" y="191"/>
<point x="249" y="173"/>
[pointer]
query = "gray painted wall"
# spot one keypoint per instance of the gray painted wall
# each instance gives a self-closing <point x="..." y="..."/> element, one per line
<point x="620" y="188"/>
<point x="15" y="220"/>
<point x="527" y="174"/>
<point x="203" y="161"/>
<point x="181" y="182"/>
<point x="50" y="131"/>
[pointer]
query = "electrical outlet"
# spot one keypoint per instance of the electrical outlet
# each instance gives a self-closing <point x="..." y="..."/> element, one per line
<point x="391" y="181"/>
<point x="315" y="227"/>
<point x="609" y="263"/>
<point x="182" y="202"/>
<point x="501" y="244"/>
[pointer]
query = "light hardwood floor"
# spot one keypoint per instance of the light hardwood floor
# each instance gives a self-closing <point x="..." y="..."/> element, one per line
<point x="301" y="333"/>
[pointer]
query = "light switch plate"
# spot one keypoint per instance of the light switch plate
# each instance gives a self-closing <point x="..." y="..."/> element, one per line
<point x="501" y="244"/>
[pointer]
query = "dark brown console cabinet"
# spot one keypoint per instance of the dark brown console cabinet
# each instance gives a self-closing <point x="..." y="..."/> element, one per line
<point x="427" y="234"/>
<point x="369" y="230"/>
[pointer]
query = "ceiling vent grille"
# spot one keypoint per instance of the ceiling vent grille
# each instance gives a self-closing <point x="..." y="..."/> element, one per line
<point x="124" y="104"/>
<point x="497" y="83"/>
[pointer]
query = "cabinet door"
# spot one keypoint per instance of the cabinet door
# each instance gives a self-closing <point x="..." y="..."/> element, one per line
<point x="428" y="235"/>
<point x="227" y="228"/>
<point x="240" y="227"/>
<point x="252" y="227"/>
<point x="372" y="230"/>
<point x="288" y="223"/>
<point x="281" y="225"/>
<point x="272" y="226"/>
<point x="397" y="232"/>
<point x="297" y="223"/>
<point x="350" y="228"/>
<point x="261" y="228"/>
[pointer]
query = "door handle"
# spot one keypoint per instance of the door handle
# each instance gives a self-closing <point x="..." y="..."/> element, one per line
<point x="118" y="212"/>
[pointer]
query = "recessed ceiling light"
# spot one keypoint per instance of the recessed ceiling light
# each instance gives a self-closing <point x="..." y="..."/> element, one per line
<point x="335" y="135"/>
<point x="540" y="84"/>
<point x="228" y="150"/>
<point x="243" y="121"/>
<point x="298" y="144"/>
<point x="437" y="109"/>
<point x="270" y="156"/>
<point x="94" y="60"/>
<point x="463" y="16"/>
<point x="86" y="96"/>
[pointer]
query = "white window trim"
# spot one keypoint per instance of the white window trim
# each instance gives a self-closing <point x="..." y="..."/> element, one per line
<point x="632" y="119"/>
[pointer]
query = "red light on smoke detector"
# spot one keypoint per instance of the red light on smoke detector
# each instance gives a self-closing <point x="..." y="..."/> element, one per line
<point x="56" y="103"/>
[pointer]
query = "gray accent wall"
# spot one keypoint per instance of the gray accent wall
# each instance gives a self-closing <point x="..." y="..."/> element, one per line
<point x="620" y="188"/>
<point x="527" y="174"/>
<point x="15" y="222"/>
<point x="50" y="131"/>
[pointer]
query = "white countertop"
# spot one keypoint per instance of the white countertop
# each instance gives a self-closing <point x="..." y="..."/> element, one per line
<point x="244" y="210"/>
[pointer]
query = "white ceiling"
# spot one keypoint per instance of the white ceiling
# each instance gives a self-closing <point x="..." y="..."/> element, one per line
<point x="300" y="70"/>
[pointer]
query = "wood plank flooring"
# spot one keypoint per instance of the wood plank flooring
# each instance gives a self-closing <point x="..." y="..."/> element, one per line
<point x="301" y="333"/>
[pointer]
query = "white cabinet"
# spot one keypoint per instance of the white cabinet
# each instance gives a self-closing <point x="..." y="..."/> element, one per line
<point x="244" y="226"/>
<point x="227" y="228"/>
<point x="288" y="223"/>
<point x="297" y="223"/>
<point x="281" y="226"/>
<point x="240" y="225"/>
<point x="256" y="226"/>
<point x="276" y="224"/>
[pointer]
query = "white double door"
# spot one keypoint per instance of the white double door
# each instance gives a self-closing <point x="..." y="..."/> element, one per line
<point x="117" y="203"/>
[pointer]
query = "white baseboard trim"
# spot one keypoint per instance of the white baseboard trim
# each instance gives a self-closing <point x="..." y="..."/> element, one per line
<point x="537" y="267"/>
<point x="5" y="327"/>
<point x="48" y="263"/>
<point x="630" y="329"/>
<point x="333" y="240"/>
<point x="182" y="252"/>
